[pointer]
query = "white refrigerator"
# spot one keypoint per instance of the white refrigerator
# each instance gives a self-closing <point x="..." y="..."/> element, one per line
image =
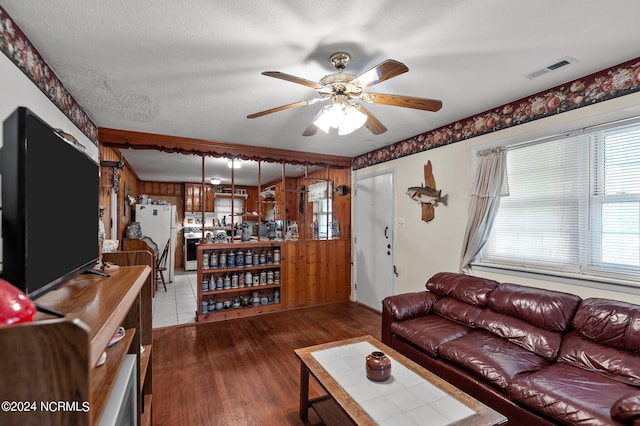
<point x="159" y="222"/>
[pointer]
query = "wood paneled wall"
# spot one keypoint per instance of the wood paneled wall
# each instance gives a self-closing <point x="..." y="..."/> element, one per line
<point x="316" y="272"/>
<point x="128" y="182"/>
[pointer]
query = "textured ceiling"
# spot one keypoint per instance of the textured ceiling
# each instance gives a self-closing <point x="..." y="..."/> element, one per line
<point x="192" y="67"/>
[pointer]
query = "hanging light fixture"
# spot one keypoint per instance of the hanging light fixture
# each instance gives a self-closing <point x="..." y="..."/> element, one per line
<point x="234" y="163"/>
<point x="341" y="115"/>
<point x="215" y="181"/>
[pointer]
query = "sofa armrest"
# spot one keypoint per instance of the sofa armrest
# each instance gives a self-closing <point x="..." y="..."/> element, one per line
<point x="404" y="306"/>
<point x="627" y="408"/>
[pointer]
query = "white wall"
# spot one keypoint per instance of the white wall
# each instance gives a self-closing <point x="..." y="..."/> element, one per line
<point x="16" y="89"/>
<point x="425" y="248"/>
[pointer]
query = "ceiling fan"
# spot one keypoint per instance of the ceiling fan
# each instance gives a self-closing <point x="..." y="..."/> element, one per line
<point x="343" y="88"/>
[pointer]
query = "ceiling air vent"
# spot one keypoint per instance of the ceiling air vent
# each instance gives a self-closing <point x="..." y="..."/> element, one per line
<point x="557" y="65"/>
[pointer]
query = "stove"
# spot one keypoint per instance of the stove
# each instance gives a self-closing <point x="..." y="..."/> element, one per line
<point x="192" y="236"/>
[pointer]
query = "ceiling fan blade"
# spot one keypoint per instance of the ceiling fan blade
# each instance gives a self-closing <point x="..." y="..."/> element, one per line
<point x="402" y="101"/>
<point x="312" y="129"/>
<point x="293" y="79"/>
<point x="373" y="124"/>
<point x="285" y="107"/>
<point x="381" y="72"/>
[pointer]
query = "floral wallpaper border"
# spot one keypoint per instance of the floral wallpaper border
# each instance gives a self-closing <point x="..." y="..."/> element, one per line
<point x="17" y="47"/>
<point x="611" y="83"/>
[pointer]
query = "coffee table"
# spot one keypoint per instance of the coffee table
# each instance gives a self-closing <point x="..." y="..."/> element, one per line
<point x="411" y="396"/>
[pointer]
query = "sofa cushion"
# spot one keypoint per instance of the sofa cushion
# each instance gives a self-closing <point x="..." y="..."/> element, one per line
<point x="617" y="364"/>
<point x="627" y="407"/>
<point x="610" y="322"/>
<point x="569" y="394"/>
<point x="465" y="288"/>
<point x="410" y="305"/>
<point x="546" y="309"/>
<point x="429" y="332"/>
<point x="457" y="311"/>
<point x="519" y="332"/>
<point x="493" y="359"/>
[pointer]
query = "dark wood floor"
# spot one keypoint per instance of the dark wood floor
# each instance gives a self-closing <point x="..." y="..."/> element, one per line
<point x="244" y="371"/>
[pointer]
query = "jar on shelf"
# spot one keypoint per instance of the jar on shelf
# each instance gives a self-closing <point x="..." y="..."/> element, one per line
<point x="205" y="307"/>
<point x="205" y="260"/>
<point x="222" y="260"/>
<point x="133" y="230"/>
<point x="269" y="257"/>
<point x="212" y="306"/>
<point x="205" y="285"/>
<point x="256" y="279"/>
<point x="240" y="258"/>
<point x="263" y="278"/>
<point x="276" y="255"/>
<point x="248" y="279"/>
<point x="241" y="280"/>
<point x="269" y="277"/>
<point x="248" y="258"/>
<point x="227" y="282"/>
<point x="234" y="280"/>
<point x="231" y="260"/>
<point x="256" y="259"/>
<point x="276" y="296"/>
<point x="276" y="276"/>
<point x="263" y="258"/>
<point x="219" y="305"/>
<point x="213" y="260"/>
<point x="219" y="283"/>
<point x="255" y="298"/>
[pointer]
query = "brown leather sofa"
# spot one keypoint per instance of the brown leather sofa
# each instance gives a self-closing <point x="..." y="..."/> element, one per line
<point x="539" y="357"/>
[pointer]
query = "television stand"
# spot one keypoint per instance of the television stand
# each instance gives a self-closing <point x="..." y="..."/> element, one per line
<point x="63" y="353"/>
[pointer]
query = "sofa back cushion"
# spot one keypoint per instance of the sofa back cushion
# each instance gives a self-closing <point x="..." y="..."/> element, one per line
<point x="458" y="311"/>
<point x="546" y="309"/>
<point x="609" y="322"/>
<point x="465" y="288"/>
<point x="529" y="317"/>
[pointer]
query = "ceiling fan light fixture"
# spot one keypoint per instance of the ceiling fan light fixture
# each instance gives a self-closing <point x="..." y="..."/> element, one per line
<point x="341" y="116"/>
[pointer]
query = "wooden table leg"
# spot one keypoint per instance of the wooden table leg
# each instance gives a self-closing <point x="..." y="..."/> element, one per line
<point x="304" y="391"/>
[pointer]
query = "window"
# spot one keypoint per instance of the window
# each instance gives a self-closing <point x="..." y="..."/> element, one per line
<point x="574" y="206"/>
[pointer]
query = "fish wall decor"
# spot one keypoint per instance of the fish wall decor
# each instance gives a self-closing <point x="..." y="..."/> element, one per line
<point x="427" y="195"/>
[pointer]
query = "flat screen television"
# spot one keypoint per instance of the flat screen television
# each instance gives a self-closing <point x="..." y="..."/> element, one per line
<point x="50" y="206"/>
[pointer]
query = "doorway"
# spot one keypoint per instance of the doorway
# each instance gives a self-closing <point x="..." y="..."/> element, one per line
<point x="374" y="211"/>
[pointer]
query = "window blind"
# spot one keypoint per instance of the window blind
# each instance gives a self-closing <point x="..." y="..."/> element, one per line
<point x="574" y="206"/>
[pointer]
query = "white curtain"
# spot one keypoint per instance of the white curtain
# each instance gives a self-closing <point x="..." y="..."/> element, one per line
<point x="319" y="191"/>
<point x="489" y="184"/>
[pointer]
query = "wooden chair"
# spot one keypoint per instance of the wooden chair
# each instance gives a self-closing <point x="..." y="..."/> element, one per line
<point x="161" y="266"/>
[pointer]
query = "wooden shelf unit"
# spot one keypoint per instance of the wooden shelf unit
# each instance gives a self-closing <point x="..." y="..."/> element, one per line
<point x="54" y="359"/>
<point x="229" y="294"/>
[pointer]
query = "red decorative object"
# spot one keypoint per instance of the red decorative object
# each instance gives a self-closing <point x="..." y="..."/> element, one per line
<point x="378" y="366"/>
<point x="15" y="306"/>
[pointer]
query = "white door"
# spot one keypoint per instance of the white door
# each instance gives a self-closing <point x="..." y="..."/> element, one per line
<point x="373" y="238"/>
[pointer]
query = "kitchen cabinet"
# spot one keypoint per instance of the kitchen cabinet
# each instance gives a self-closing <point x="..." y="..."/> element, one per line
<point x="231" y="290"/>
<point x="195" y="198"/>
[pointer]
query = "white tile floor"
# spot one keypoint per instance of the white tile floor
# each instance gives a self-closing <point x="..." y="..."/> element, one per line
<point x="177" y="305"/>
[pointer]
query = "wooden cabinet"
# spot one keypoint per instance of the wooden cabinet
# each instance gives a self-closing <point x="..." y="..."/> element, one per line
<point x="231" y="291"/>
<point x="52" y="360"/>
<point x="193" y="200"/>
